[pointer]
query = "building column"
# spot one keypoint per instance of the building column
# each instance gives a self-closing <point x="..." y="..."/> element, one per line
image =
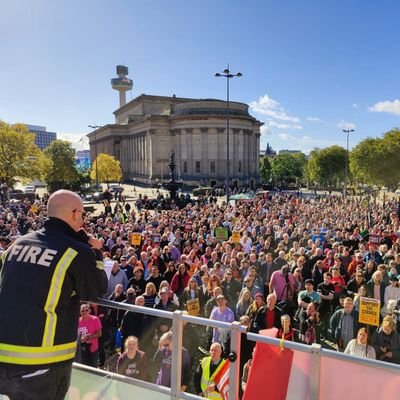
<point x="139" y="155"/>
<point x="142" y="158"/>
<point x="245" y="154"/>
<point x="235" y="154"/>
<point x="205" y="163"/>
<point x="257" y="154"/>
<point x="221" y="160"/>
<point x="135" y="155"/>
<point x="189" y="144"/>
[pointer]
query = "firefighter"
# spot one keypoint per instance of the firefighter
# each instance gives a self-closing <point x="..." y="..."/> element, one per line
<point x="43" y="277"/>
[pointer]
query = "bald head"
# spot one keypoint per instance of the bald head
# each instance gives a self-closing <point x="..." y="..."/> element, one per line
<point x="215" y="351"/>
<point x="67" y="206"/>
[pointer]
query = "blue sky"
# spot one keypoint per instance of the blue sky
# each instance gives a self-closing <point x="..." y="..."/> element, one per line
<point x="310" y="68"/>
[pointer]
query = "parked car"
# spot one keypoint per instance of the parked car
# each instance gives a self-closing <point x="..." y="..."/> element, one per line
<point x="29" y="189"/>
<point x="115" y="188"/>
<point x="17" y="194"/>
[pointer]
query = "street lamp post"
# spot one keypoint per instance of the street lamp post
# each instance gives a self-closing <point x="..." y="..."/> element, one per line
<point x="95" y="152"/>
<point x="228" y="75"/>
<point x="347" y="131"/>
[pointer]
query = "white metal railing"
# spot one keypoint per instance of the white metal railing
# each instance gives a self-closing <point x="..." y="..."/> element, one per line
<point x="177" y="327"/>
<point x="315" y="351"/>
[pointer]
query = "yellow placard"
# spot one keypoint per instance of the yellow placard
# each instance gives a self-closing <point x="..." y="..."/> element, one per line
<point x="193" y="307"/>
<point x="235" y="237"/>
<point x="136" y="239"/>
<point x="369" y="311"/>
<point x="364" y="203"/>
<point x="34" y="208"/>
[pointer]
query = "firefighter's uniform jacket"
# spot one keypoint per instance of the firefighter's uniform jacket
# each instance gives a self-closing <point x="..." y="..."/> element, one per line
<point x="43" y="277"/>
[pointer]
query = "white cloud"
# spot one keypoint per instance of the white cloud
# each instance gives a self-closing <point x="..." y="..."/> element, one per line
<point x="345" y="125"/>
<point x="286" y="136"/>
<point x="355" y="105"/>
<point x="314" y="119"/>
<point x="278" y="125"/>
<point x="271" y="108"/>
<point x="391" y="107"/>
<point x="304" y="143"/>
<point x="264" y="130"/>
<point x="79" y="141"/>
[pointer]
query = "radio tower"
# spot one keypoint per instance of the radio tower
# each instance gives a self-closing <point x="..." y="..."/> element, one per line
<point x="122" y="83"/>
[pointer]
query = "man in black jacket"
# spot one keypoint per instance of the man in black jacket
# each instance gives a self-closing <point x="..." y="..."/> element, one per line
<point x="268" y="316"/>
<point x="55" y="268"/>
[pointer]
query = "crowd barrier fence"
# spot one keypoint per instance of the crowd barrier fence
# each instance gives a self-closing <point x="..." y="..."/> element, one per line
<point x="313" y="380"/>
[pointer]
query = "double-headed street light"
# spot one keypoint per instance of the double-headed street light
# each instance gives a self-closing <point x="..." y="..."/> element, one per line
<point x="347" y="131"/>
<point x="228" y="75"/>
<point x="95" y="152"/>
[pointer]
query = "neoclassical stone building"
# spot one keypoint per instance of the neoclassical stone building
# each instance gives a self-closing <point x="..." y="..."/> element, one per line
<point x="148" y="128"/>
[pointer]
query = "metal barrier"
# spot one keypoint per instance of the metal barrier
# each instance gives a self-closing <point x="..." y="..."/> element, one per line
<point x="315" y="351"/>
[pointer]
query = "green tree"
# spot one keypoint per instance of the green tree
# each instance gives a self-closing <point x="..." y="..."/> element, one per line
<point x="108" y="169"/>
<point x="20" y="158"/>
<point x="376" y="161"/>
<point x="81" y="183"/>
<point x="288" y="168"/>
<point x="60" y="171"/>
<point x="327" y="167"/>
<point x="265" y="169"/>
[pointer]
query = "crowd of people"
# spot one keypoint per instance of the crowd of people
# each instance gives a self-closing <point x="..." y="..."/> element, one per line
<point x="299" y="266"/>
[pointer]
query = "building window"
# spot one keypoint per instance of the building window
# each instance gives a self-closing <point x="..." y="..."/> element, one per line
<point x="212" y="167"/>
<point x="197" y="167"/>
<point x="185" y="167"/>
<point x="239" y="167"/>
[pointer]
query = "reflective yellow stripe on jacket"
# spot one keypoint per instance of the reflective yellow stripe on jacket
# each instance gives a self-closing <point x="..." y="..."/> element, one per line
<point x="206" y="379"/>
<point x="54" y="295"/>
<point x="25" y="355"/>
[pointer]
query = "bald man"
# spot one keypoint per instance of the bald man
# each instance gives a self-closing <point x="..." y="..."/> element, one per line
<point x="43" y="277"/>
<point x="208" y="369"/>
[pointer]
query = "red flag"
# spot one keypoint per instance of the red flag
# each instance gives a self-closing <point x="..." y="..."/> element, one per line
<point x="271" y="364"/>
<point x="221" y="380"/>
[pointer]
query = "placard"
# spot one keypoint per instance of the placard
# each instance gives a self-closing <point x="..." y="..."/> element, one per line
<point x="156" y="238"/>
<point x="221" y="234"/>
<point x="364" y="203"/>
<point x="193" y="307"/>
<point x="136" y="239"/>
<point x="235" y="237"/>
<point x="369" y="311"/>
<point x="374" y="238"/>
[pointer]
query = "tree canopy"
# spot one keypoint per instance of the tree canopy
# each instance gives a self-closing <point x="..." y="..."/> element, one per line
<point x="20" y="158"/>
<point x="108" y="169"/>
<point x="327" y="167"/>
<point x="265" y="169"/>
<point x="376" y="161"/>
<point x="288" y="167"/>
<point x="59" y="169"/>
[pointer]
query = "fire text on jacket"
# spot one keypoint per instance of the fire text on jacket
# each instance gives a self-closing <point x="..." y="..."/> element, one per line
<point x="32" y="254"/>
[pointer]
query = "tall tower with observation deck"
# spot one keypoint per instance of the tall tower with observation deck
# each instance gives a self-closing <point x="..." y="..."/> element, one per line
<point x="122" y="83"/>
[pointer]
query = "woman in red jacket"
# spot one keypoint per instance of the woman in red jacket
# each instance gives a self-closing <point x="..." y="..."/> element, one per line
<point x="180" y="280"/>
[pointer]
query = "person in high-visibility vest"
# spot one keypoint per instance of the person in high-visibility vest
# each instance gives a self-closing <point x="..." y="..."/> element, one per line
<point x="208" y="369"/>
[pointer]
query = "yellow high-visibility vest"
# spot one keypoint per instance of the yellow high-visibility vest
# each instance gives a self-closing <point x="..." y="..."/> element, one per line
<point x="206" y="379"/>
